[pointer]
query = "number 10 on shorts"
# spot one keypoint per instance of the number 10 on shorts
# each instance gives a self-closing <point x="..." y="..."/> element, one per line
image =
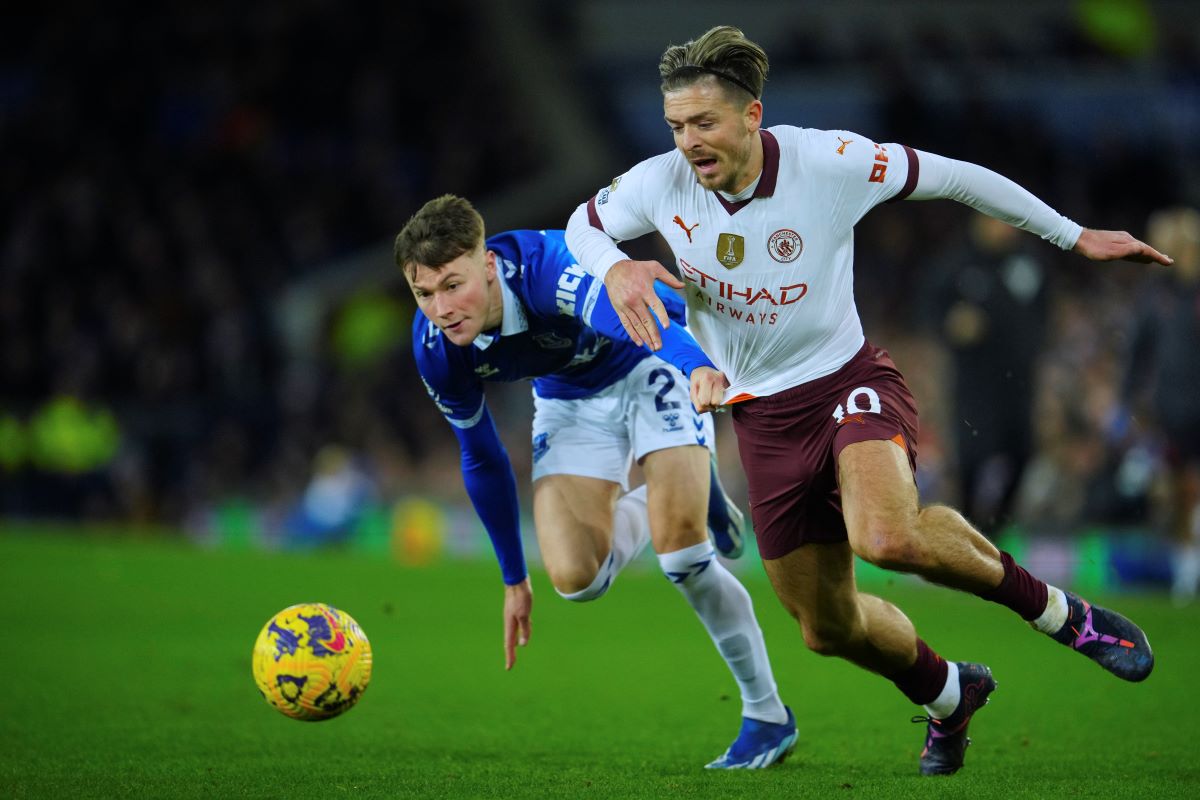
<point x="854" y="405"/>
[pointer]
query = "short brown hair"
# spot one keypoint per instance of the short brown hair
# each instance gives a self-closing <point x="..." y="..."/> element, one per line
<point x="444" y="229"/>
<point x="724" y="52"/>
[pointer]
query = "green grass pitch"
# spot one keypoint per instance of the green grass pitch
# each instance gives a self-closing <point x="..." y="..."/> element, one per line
<point x="127" y="674"/>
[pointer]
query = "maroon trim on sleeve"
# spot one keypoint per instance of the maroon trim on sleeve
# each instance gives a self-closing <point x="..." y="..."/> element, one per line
<point x="914" y="172"/>
<point x="593" y="217"/>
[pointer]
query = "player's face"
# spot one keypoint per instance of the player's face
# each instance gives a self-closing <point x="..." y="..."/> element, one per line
<point x="462" y="298"/>
<point x="716" y="136"/>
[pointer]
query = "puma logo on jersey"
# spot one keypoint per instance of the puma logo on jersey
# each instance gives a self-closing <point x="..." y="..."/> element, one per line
<point x="679" y="221"/>
<point x="841" y="151"/>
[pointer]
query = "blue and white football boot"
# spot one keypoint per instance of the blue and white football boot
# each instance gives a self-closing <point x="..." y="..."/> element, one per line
<point x="759" y="744"/>
<point x="725" y="520"/>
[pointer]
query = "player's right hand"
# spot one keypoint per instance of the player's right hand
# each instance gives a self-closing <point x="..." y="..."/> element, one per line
<point x="630" y="286"/>
<point x="518" y="605"/>
<point x="708" y="388"/>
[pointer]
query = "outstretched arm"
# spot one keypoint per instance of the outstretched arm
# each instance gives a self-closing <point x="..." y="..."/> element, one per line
<point x="492" y="487"/>
<point x="997" y="196"/>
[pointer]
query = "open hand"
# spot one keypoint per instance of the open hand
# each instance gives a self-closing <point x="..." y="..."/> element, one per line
<point x="630" y="286"/>
<point x="1117" y="245"/>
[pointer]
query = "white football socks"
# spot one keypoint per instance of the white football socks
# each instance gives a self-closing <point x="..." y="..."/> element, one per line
<point x="945" y="703"/>
<point x="725" y="608"/>
<point x="631" y="532"/>
<point x="631" y="527"/>
<point x="1055" y="615"/>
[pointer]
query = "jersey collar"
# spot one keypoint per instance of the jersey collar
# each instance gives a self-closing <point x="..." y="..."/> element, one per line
<point x="766" y="179"/>
<point x="514" y="321"/>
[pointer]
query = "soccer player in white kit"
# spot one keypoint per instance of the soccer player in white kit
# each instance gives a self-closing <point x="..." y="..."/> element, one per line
<point x="761" y="223"/>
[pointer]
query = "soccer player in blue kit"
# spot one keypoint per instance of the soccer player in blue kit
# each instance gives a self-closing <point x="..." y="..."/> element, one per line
<point x="518" y="306"/>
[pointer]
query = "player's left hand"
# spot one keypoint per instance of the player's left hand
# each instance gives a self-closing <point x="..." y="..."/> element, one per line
<point x="1117" y="245"/>
<point x="518" y="604"/>
<point x="708" y="388"/>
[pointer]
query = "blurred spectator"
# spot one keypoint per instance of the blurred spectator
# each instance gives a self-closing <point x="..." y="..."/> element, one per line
<point x="989" y="299"/>
<point x="1162" y="383"/>
<point x="169" y="169"/>
<point x="335" y="500"/>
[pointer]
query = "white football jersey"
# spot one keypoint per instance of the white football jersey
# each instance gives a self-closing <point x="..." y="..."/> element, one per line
<point x="769" y="280"/>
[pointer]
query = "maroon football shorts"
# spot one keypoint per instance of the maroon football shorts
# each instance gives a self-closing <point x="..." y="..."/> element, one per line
<point x="790" y="442"/>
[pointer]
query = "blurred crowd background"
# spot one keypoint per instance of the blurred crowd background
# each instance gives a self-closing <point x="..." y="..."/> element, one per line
<point x="201" y="328"/>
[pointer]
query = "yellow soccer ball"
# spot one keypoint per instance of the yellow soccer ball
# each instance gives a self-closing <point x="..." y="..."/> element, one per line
<point x="312" y="661"/>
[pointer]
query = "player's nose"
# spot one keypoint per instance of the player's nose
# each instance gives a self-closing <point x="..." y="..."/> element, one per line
<point x="441" y="306"/>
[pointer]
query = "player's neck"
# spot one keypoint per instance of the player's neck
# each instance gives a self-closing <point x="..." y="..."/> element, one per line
<point x="495" y="313"/>
<point x="753" y="168"/>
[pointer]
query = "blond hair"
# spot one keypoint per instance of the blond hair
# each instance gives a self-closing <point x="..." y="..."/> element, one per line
<point x="723" y="52"/>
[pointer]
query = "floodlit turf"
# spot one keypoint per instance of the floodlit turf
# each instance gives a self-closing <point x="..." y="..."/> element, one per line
<point x="127" y="674"/>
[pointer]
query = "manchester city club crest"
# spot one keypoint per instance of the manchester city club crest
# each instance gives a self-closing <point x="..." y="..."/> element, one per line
<point x="731" y="249"/>
<point x="785" y="245"/>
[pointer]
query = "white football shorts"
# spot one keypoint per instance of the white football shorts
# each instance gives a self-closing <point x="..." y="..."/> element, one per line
<point x="600" y="436"/>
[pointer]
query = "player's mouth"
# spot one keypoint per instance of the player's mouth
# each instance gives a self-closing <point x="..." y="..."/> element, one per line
<point x="457" y="326"/>
<point x="705" y="166"/>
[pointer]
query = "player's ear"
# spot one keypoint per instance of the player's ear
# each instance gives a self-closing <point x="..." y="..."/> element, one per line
<point x="753" y="115"/>
<point x="490" y="265"/>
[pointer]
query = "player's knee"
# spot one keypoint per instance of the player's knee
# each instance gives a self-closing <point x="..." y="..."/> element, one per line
<point x="572" y="582"/>
<point x="888" y="544"/>
<point x="578" y="582"/>
<point x="826" y="637"/>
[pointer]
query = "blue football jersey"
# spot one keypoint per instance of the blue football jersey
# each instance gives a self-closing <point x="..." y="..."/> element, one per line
<point x="551" y="339"/>
<point x="560" y="330"/>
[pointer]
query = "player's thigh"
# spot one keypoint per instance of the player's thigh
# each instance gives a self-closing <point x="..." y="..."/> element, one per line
<point x="672" y="442"/>
<point x="677" y="486"/>
<point x="815" y="583"/>
<point x="572" y="516"/>
<point x="588" y="437"/>
<point x="879" y="493"/>
<point x="659" y="412"/>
